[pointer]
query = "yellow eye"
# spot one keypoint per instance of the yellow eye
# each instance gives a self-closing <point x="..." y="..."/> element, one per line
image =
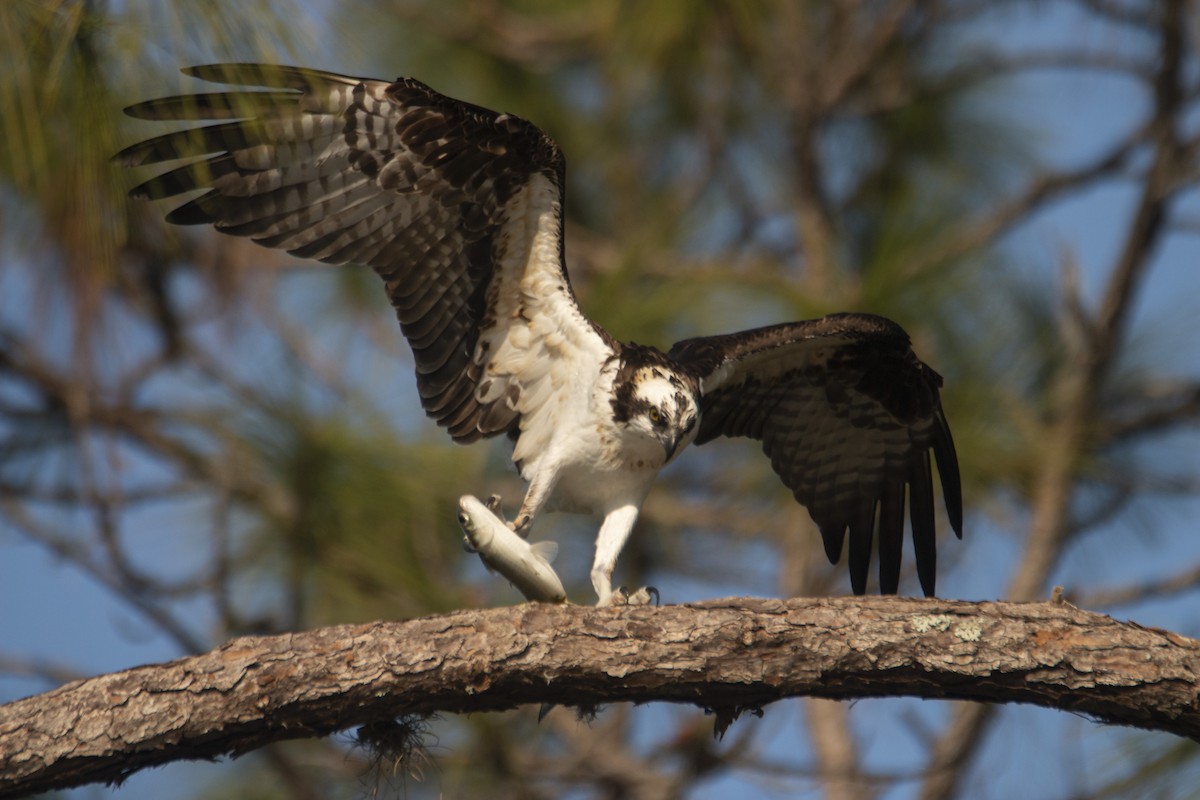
<point x="654" y="415"/>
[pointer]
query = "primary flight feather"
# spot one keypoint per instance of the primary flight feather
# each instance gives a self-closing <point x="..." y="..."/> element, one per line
<point x="460" y="210"/>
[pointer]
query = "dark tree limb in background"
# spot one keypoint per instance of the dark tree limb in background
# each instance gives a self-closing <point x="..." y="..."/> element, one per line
<point x="727" y="655"/>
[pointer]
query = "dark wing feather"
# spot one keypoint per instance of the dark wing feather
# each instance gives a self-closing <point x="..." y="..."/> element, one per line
<point x="444" y="199"/>
<point x="847" y="414"/>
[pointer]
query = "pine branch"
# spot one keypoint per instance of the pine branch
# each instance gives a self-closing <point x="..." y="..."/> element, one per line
<point x="727" y="655"/>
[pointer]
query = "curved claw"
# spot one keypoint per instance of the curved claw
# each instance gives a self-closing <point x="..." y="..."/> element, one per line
<point x="641" y="597"/>
<point x="521" y="525"/>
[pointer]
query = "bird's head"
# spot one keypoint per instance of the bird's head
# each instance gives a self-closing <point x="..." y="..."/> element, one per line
<point x="655" y="402"/>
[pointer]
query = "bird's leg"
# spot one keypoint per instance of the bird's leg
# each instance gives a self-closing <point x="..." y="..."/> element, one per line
<point x="613" y="532"/>
<point x="535" y="498"/>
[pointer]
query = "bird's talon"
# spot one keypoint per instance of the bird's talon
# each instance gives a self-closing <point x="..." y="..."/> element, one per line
<point x="493" y="505"/>
<point x="642" y="596"/>
<point x="521" y="525"/>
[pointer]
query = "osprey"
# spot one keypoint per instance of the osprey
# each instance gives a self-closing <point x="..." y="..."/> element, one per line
<point x="460" y="210"/>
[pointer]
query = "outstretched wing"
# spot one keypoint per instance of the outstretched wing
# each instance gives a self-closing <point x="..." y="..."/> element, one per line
<point x="847" y="414"/>
<point x="459" y="210"/>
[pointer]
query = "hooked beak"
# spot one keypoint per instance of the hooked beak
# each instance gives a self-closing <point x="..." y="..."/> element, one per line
<point x="672" y="446"/>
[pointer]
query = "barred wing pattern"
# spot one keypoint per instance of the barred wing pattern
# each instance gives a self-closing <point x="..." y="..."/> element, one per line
<point x="459" y="210"/>
<point x="848" y="415"/>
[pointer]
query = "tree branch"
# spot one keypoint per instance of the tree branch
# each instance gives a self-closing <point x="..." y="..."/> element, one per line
<point x="727" y="655"/>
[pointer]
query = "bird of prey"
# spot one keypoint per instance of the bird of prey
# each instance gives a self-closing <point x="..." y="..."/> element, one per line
<point x="460" y="210"/>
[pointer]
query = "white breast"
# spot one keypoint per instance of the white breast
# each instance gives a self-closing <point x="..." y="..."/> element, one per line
<point x="575" y="438"/>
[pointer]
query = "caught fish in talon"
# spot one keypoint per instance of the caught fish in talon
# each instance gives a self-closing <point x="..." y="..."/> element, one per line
<point x="526" y="566"/>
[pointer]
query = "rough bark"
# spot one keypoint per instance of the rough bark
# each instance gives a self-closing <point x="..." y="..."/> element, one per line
<point x="725" y="655"/>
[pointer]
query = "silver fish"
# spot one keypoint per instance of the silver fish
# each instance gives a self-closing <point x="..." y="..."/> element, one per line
<point x="525" y="565"/>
